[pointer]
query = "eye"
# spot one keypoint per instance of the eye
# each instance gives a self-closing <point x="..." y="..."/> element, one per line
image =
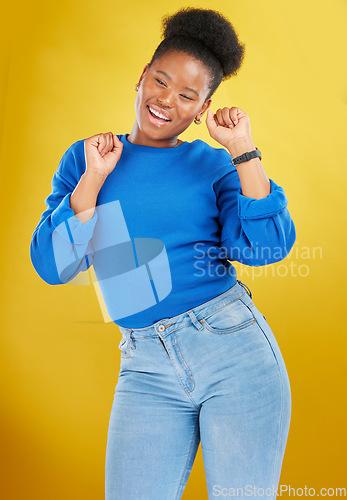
<point x="159" y="81"/>
<point x="186" y="97"/>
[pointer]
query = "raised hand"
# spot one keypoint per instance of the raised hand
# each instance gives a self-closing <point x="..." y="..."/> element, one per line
<point x="228" y="125"/>
<point x="102" y="152"/>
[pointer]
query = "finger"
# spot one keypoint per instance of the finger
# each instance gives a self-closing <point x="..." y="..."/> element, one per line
<point x="219" y="117"/>
<point x="116" y="143"/>
<point x="234" y="114"/>
<point x="221" y="113"/>
<point x="102" y="143"/>
<point x="110" y="140"/>
<point x="108" y="143"/>
<point x="117" y="147"/>
<point x="226" y="112"/>
<point x="106" y="147"/>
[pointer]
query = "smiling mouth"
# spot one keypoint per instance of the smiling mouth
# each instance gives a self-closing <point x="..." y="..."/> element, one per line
<point x="156" y="120"/>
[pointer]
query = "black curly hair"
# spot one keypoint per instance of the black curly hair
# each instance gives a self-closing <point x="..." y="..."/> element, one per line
<point x="206" y="35"/>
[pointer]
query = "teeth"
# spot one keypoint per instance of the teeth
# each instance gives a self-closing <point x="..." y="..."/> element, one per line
<point x="159" y="115"/>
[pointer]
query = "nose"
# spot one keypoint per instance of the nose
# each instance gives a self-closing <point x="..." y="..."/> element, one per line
<point x="166" y="98"/>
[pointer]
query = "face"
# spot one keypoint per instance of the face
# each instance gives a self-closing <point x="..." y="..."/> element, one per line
<point x="171" y="94"/>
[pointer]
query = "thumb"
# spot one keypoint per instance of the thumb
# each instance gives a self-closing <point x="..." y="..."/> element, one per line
<point x="210" y="122"/>
<point x="117" y="148"/>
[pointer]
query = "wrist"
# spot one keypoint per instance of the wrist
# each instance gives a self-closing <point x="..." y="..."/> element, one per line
<point x="94" y="179"/>
<point x="241" y="146"/>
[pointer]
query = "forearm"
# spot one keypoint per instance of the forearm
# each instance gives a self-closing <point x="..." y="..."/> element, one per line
<point x="253" y="179"/>
<point x="83" y="199"/>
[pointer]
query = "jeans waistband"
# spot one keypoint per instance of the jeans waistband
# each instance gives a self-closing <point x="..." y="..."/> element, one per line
<point x="165" y="326"/>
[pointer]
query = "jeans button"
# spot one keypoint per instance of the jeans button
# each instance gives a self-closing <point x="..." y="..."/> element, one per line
<point x="161" y="328"/>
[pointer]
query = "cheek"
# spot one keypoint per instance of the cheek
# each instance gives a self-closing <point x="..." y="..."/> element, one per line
<point x="186" y="115"/>
<point x="140" y="102"/>
<point x="185" y="110"/>
<point x="148" y="91"/>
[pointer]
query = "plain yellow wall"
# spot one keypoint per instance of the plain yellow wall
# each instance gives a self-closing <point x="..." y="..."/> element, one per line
<point x="68" y="72"/>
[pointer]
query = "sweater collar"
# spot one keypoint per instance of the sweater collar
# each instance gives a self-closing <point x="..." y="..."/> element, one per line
<point x="139" y="148"/>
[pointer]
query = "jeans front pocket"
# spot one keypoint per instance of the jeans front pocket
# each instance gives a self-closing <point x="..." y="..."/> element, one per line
<point x="228" y="318"/>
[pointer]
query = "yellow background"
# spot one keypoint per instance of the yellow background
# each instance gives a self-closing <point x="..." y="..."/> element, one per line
<point x="68" y="72"/>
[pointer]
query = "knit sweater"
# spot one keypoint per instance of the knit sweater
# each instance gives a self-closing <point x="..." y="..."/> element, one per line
<point x="167" y="225"/>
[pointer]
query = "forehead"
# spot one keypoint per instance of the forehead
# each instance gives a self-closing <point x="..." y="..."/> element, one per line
<point x="183" y="69"/>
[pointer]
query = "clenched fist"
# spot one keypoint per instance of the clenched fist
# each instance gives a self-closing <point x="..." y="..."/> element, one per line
<point x="228" y="125"/>
<point x="102" y="152"/>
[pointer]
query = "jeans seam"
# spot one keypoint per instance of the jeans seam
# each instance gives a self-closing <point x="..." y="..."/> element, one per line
<point x="181" y="382"/>
<point x="229" y="331"/>
<point x="164" y="346"/>
<point x="179" y="354"/>
<point x="179" y="327"/>
<point x="279" y="432"/>
<point x="282" y="394"/>
<point x="199" y="318"/>
<point x="178" y="496"/>
<point x="282" y="406"/>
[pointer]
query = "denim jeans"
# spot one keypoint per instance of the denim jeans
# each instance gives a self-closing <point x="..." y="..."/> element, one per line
<point x="212" y="375"/>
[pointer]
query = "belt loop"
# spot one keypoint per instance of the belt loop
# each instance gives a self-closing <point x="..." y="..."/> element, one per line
<point x="195" y="320"/>
<point x="129" y="338"/>
<point x="242" y="284"/>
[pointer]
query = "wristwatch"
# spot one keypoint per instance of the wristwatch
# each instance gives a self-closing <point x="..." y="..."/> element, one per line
<point x="246" y="156"/>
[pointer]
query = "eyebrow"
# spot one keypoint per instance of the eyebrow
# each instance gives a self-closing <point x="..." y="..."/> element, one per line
<point x="169" y="78"/>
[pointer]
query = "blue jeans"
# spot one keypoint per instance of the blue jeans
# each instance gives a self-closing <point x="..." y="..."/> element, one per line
<point x="214" y="375"/>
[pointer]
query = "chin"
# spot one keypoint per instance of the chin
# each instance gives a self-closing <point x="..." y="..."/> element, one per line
<point x="155" y="134"/>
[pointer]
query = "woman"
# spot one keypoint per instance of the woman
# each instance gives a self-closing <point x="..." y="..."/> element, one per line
<point x="161" y="219"/>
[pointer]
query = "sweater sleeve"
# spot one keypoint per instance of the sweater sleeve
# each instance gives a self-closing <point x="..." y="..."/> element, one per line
<point x="61" y="244"/>
<point x="254" y="231"/>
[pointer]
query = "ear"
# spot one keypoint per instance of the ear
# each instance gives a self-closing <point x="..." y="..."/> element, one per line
<point x="143" y="72"/>
<point x="205" y="107"/>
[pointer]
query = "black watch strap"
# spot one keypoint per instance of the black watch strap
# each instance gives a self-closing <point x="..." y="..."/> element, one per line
<point x="247" y="156"/>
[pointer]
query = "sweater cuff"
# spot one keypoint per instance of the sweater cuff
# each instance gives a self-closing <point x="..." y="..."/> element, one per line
<point x="68" y="226"/>
<point x="272" y="204"/>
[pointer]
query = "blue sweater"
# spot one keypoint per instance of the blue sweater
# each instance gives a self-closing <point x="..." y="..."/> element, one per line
<point x="167" y="223"/>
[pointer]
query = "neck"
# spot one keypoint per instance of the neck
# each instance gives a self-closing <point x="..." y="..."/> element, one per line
<point x="137" y="137"/>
